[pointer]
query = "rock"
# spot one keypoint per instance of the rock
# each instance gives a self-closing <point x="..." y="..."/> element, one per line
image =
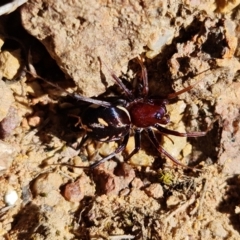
<point x="46" y="186"/>
<point x="228" y="108"/>
<point x="9" y="123"/>
<point x="109" y="183"/>
<point x="76" y="191"/>
<point x="155" y="190"/>
<point x="110" y="31"/>
<point x="6" y="99"/>
<point x="9" y="63"/>
<point x="7" y="153"/>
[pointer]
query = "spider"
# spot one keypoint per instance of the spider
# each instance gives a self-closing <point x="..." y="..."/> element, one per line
<point x="111" y="121"/>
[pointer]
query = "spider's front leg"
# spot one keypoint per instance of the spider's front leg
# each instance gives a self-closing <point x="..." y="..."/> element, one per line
<point x="176" y="133"/>
<point x="144" y="76"/>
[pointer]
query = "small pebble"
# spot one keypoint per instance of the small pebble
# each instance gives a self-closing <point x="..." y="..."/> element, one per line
<point x="10" y="197"/>
<point x="10" y="63"/>
<point x="73" y="192"/>
<point x="9" y="123"/>
<point x="34" y="121"/>
<point x="155" y="190"/>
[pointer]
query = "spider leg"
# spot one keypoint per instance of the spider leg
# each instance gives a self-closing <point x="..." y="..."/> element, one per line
<point x="137" y="139"/>
<point x="176" y="133"/>
<point x="92" y="166"/>
<point x="77" y="117"/>
<point x="186" y="89"/>
<point x="83" y="140"/>
<point x="144" y="77"/>
<point x="161" y="150"/>
<point x="174" y="95"/>
<point x="119" y="81"/>
<point x="73" y="95"/>
<point x="118" y="150"/>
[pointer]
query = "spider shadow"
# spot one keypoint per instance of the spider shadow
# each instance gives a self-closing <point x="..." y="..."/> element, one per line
<point x="231" y="200"/>
<point x="26" y="222"/>
<point x="206" y="147"/>
<point x="58" y="122"/>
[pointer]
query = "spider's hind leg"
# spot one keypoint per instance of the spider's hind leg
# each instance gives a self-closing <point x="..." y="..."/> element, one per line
<point x="120" y="148"/>
<point x="161" y="150"/>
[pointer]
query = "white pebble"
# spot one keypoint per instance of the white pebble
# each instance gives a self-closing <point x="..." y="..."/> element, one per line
<point x="10" y="197"/>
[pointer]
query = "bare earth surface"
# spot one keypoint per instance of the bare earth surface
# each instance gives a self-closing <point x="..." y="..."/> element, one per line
<point x="73" y="44"/>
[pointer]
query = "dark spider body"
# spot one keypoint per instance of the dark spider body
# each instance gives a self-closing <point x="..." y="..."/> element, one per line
<point x="105" y="121"/>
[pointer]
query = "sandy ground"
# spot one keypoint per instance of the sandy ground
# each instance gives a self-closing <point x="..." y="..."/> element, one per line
<point x="73" y="45"/>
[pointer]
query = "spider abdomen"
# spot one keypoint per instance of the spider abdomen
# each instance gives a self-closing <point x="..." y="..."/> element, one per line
<point x="106" y="123"/>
